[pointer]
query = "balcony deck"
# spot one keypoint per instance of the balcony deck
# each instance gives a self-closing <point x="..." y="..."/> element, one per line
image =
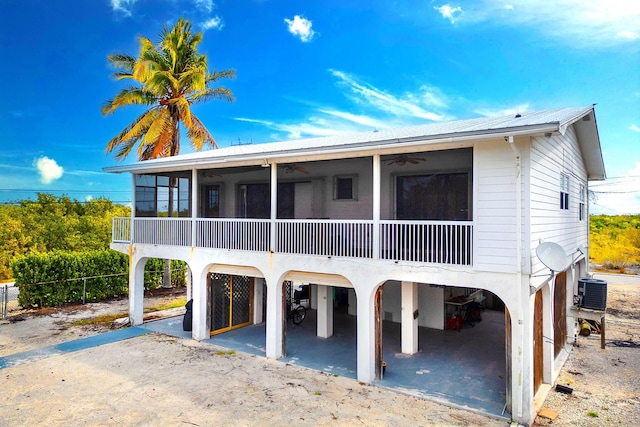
<point x="440" y="242"/>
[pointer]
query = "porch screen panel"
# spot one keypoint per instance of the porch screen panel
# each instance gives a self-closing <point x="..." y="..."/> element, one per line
<point x="254" y="200"/>
<point x="443" y="196"/>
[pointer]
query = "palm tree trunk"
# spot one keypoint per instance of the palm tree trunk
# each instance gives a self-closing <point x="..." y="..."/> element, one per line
<point x="166" y="276"/>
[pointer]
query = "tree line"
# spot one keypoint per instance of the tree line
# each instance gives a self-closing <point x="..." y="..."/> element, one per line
<point x="55" y="223"/>
<point x="615" y="241"/>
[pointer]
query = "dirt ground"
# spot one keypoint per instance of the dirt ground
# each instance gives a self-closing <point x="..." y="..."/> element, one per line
<point x="159" y="380"/>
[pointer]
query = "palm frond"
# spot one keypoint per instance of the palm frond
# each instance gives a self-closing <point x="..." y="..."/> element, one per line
<point x="122" y="60"/>
<point x="199" y="135"/>
<point x="218" y="75"/>
<point x="161" y="123"/>
<point x="126" y="139"/>
<point x="140" y="127"/>
<point x="212" y="94"/>
<point x="129" y="96"/>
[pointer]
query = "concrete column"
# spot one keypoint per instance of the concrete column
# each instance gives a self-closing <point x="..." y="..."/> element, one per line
<point x="189" y="274"/>
<point x="409" y="324"/>
<point x="313" y="296"/>
<point x="258" y="297"/>
<point x="325" y="311"/>
<point x="275" y="321"/>
<point x="366" y="338"/>
<point x="353" y="303"/>
<point x="201" y="326"/>
<point x="136" y="288"/>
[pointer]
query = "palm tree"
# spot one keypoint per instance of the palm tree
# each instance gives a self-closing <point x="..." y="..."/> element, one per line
<point x="169" y="77"/>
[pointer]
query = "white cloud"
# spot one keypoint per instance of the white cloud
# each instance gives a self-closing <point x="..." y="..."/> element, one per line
<point x="214" y="22"/>
<point x="581" y="23"/>
<point x="48" y="169"/>
<point x="500" y="112"/>
<point x="409" y="106"/>
<point x="123" y="6"/>
<point x="300" y="27"/>
<point x="447" y="11"/>
<point x="628" y="35"/>
<point x="206" y="5"/>
<point x="376" y="109"/>
<point x="634" y="128"/>
<point x="620" y="195"/>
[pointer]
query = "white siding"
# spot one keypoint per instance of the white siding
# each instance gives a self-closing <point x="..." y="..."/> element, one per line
<point x="495" y="207"/>
<point x="549" y="158"/>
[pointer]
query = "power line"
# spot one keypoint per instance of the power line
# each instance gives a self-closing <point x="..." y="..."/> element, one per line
<point x="21" y="190"/>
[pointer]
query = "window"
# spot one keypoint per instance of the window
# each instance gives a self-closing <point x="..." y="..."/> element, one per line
<point x="582" y="202"/>
<point x="564" y="191"/>
<point x="344" y="187"/>
<point x="162" y="196"/>
<point x="442" y="196"/>
<point x="211" y="198"/>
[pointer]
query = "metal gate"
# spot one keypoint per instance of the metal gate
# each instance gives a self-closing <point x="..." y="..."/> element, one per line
<point x="231" y="302"/>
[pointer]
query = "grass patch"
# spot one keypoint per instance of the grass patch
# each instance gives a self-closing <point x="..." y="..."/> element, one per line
<point x="167" y="305"/>
<point x="592" y="414"/>
<point x="226" y="353"/>
<point x="317" y="393"/>
<point x="107" y="319"/>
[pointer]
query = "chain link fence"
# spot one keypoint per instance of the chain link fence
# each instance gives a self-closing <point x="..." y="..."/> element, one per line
<point x="9" y="292"/>
<point x="8" y="299"/>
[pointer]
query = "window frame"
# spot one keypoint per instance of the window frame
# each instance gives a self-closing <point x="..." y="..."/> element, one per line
<point x="354" y="187"/>
<point x="564" y="191"/>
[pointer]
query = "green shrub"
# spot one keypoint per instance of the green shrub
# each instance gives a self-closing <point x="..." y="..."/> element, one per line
<point x="57" y="278"/>
<point x="154" y="270"/>
<point x="53" y="279"/>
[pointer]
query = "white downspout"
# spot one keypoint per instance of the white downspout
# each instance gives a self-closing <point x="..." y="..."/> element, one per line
<point x="518" y="158"/>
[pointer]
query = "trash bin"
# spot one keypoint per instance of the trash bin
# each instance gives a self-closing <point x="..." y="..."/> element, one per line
<point x="188" y="316"/>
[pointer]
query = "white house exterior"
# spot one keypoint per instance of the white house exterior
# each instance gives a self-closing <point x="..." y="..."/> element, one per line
<point x="427" y="210"/>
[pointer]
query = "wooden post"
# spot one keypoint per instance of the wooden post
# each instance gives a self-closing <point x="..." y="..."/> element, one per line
<point x="378" y="332"/>
<point x="602" y="334"/>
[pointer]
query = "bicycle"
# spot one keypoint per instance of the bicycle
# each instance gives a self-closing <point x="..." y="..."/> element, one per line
<point x="297" y="314"/>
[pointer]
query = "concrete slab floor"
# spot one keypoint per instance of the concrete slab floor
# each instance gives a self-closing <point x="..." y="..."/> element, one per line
<point x="463" y="368"/>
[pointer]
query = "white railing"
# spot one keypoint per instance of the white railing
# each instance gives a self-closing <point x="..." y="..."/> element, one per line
<point x="121" y="230"/>
<point x="440" y="242"/>
<point x="233" y="233"/>
<point x="349" y="238"/>
<point x="163" y="231"/>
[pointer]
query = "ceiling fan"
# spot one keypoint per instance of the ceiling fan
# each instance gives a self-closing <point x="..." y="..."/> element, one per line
<point x="293" y="167"/>
<point x="403" y="159"/>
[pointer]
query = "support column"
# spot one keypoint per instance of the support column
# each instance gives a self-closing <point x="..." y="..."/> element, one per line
<point x="376" y="207"/>
<point x="409" y="321"/>
<point x="313" y="296"/>
<point x="353" y="303"/>
<point x="325" y="311"/>
<point x="275" y="321"/>
<point x="258" y="297"/>
<point x="366" y="338"/>
<point x="136" y="288"/>
<point x="201" y="327"/>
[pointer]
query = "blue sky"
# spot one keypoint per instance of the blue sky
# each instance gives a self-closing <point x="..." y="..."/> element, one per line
<point x="315" y="68"/>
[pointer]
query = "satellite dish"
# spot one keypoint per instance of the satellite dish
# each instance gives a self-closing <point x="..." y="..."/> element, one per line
<point x="552" y="256"/>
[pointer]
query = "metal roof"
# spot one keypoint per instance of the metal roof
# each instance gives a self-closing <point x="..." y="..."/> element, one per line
<point x="527" y="123"/>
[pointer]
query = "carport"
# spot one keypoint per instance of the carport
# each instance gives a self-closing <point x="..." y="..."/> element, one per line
<point x="464" y="368"/>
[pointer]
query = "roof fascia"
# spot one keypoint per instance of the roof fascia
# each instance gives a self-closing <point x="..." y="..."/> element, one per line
<point x="389" y="146"/>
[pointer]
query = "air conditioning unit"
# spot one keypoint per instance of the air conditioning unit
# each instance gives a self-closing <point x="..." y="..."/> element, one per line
<point x="592" y="293"/>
